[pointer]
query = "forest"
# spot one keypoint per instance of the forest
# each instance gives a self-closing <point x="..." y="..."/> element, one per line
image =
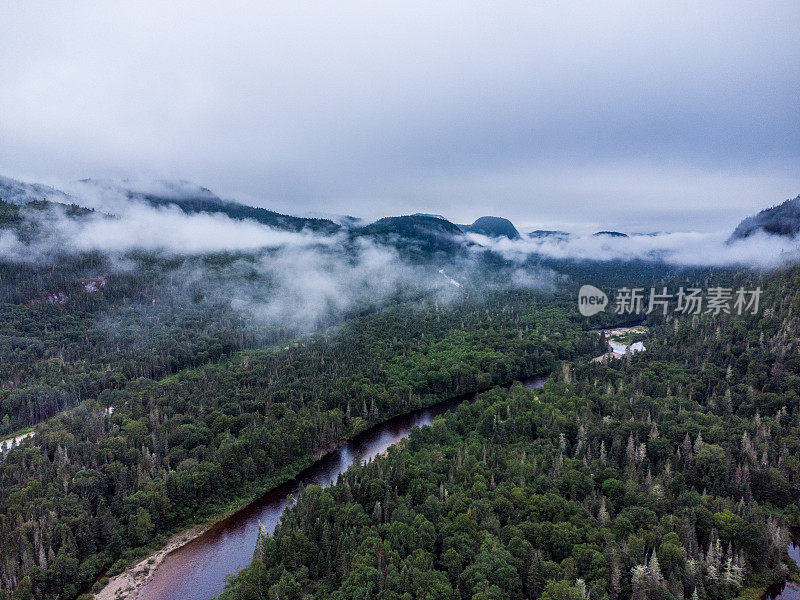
<point x="399" y="301"/>
<point x="70" y="332"/>
<point x="157" y="405"/>
<point x="673" y="473"/>
<point x="146" y="457"/>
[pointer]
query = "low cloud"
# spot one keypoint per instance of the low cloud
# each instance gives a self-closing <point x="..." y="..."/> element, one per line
<point x="295" y="280"/>
<point x="312" y="284"/>
<point x="303" y="280"/>
<point x="140" y="227"/>
<point x="684" y="248"/>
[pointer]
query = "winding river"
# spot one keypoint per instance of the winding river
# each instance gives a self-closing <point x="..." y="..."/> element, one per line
<point x="197" y="570"/>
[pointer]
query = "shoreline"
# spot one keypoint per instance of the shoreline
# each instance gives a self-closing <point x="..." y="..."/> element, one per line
<point x="127" y="585"/>
<point x="134" y="577"/>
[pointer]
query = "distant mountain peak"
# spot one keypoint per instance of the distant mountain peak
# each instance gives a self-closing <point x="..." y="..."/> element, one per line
<point x="616" y="234"/>
<point x="164" y="189"/>
<point x="782" y="220"/>
<point x="493" y="227"/>
<point x="431" y="215"/>
<point x="417" y="222"/>
<point x="556" y="234"/>
<point x="418" y="233"/>
<point x="192" y="198"/>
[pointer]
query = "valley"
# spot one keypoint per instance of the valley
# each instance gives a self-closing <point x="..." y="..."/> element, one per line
<point x="174" y="402"/>
<point x="399" y="300"/>
<point x="184" y="571"/>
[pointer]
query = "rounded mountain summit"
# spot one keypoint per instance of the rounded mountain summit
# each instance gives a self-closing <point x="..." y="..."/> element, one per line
<point x="493" y="227"/>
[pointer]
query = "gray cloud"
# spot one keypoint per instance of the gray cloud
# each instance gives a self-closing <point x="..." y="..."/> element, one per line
<point x="275" y="278"/>
<point x="376" y="109"/>
<point x="140" y="227"/>
<point x="690" y="248"/>
<point x="300" y="280"/>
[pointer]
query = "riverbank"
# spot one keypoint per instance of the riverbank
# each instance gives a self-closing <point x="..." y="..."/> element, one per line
<point x="788" y="587"/>
<point x="125" y="585"/>
<point x="128" y="584"/>
<point x="13" y="440"/>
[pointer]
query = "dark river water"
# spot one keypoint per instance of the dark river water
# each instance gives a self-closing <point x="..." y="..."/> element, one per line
<point x="197" y="570"/>
<point x="787" y="591"/>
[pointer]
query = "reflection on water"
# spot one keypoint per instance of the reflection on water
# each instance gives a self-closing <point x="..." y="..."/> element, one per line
<point x="791" y="590"/>
<point x="197" y="570"/>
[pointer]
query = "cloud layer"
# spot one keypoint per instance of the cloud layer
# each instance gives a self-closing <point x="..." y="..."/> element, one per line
<point x="275" y="278"/>
<point x="140" y="227"/>
<point x="302" y="280"/>
<point x="680" y="248"/>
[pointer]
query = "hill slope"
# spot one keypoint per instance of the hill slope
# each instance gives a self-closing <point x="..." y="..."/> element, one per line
<point x="615" y="234"/>
<point x="783" y="219"/>
<point x="192" y="198"/>
<point x="25" y="220"/>
<point x="13" y="191"/>
<point x="422" y="233"/>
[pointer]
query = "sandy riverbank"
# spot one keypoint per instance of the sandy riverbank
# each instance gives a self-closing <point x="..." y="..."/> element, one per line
<point x="128" y="583"/>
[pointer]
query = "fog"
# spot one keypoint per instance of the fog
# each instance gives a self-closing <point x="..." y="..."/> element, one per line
<point x="295" y="280"/>
<point x="680" y="248"/>
<point x="145" y="228"/>
<point x="303" y="280"/>
<point x="119" y="225"/>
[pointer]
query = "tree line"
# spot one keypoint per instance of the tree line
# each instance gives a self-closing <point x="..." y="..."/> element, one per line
<point x="95" y="484"/>
<point x="674" y="473"/>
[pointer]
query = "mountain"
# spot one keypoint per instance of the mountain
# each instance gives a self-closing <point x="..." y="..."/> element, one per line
<point x="189" y="197"/>
<point x="549" y="233"/>
<point x="616" y="234"/>
<point x="493" y="227"/>
<point x="783" y="219"/>
<point x="346" y="221"/>
<point x="13" y="213"/>
<point x="432" y="215"/>
<point x="13" y="191"/>
<point x="418" y="232"/>
<point x="26" y="220"/>
<point x="165" y="189"/>
<point x="192" y="199"/>
<point x="242" y="211"/>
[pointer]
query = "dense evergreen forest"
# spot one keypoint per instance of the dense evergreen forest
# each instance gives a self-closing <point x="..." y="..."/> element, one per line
<point x="98" y="483"/>
<point x="157" y="404"/>
<point x="75" y="324"/>
<point x="80" y="326"/>
<point x="673" y="473"/>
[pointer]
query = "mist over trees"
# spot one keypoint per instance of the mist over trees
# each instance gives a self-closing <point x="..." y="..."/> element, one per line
<point x="97" y="484"/>
<point x="163" y="384"/>
<point x="669" y="474"/>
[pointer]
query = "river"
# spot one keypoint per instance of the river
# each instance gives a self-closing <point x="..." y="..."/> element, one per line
<point x="197" y="570"/>
<point x="787" y="590"/>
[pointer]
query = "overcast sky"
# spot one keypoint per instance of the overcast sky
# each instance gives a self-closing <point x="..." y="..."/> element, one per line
<point x="632" y="115"/>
